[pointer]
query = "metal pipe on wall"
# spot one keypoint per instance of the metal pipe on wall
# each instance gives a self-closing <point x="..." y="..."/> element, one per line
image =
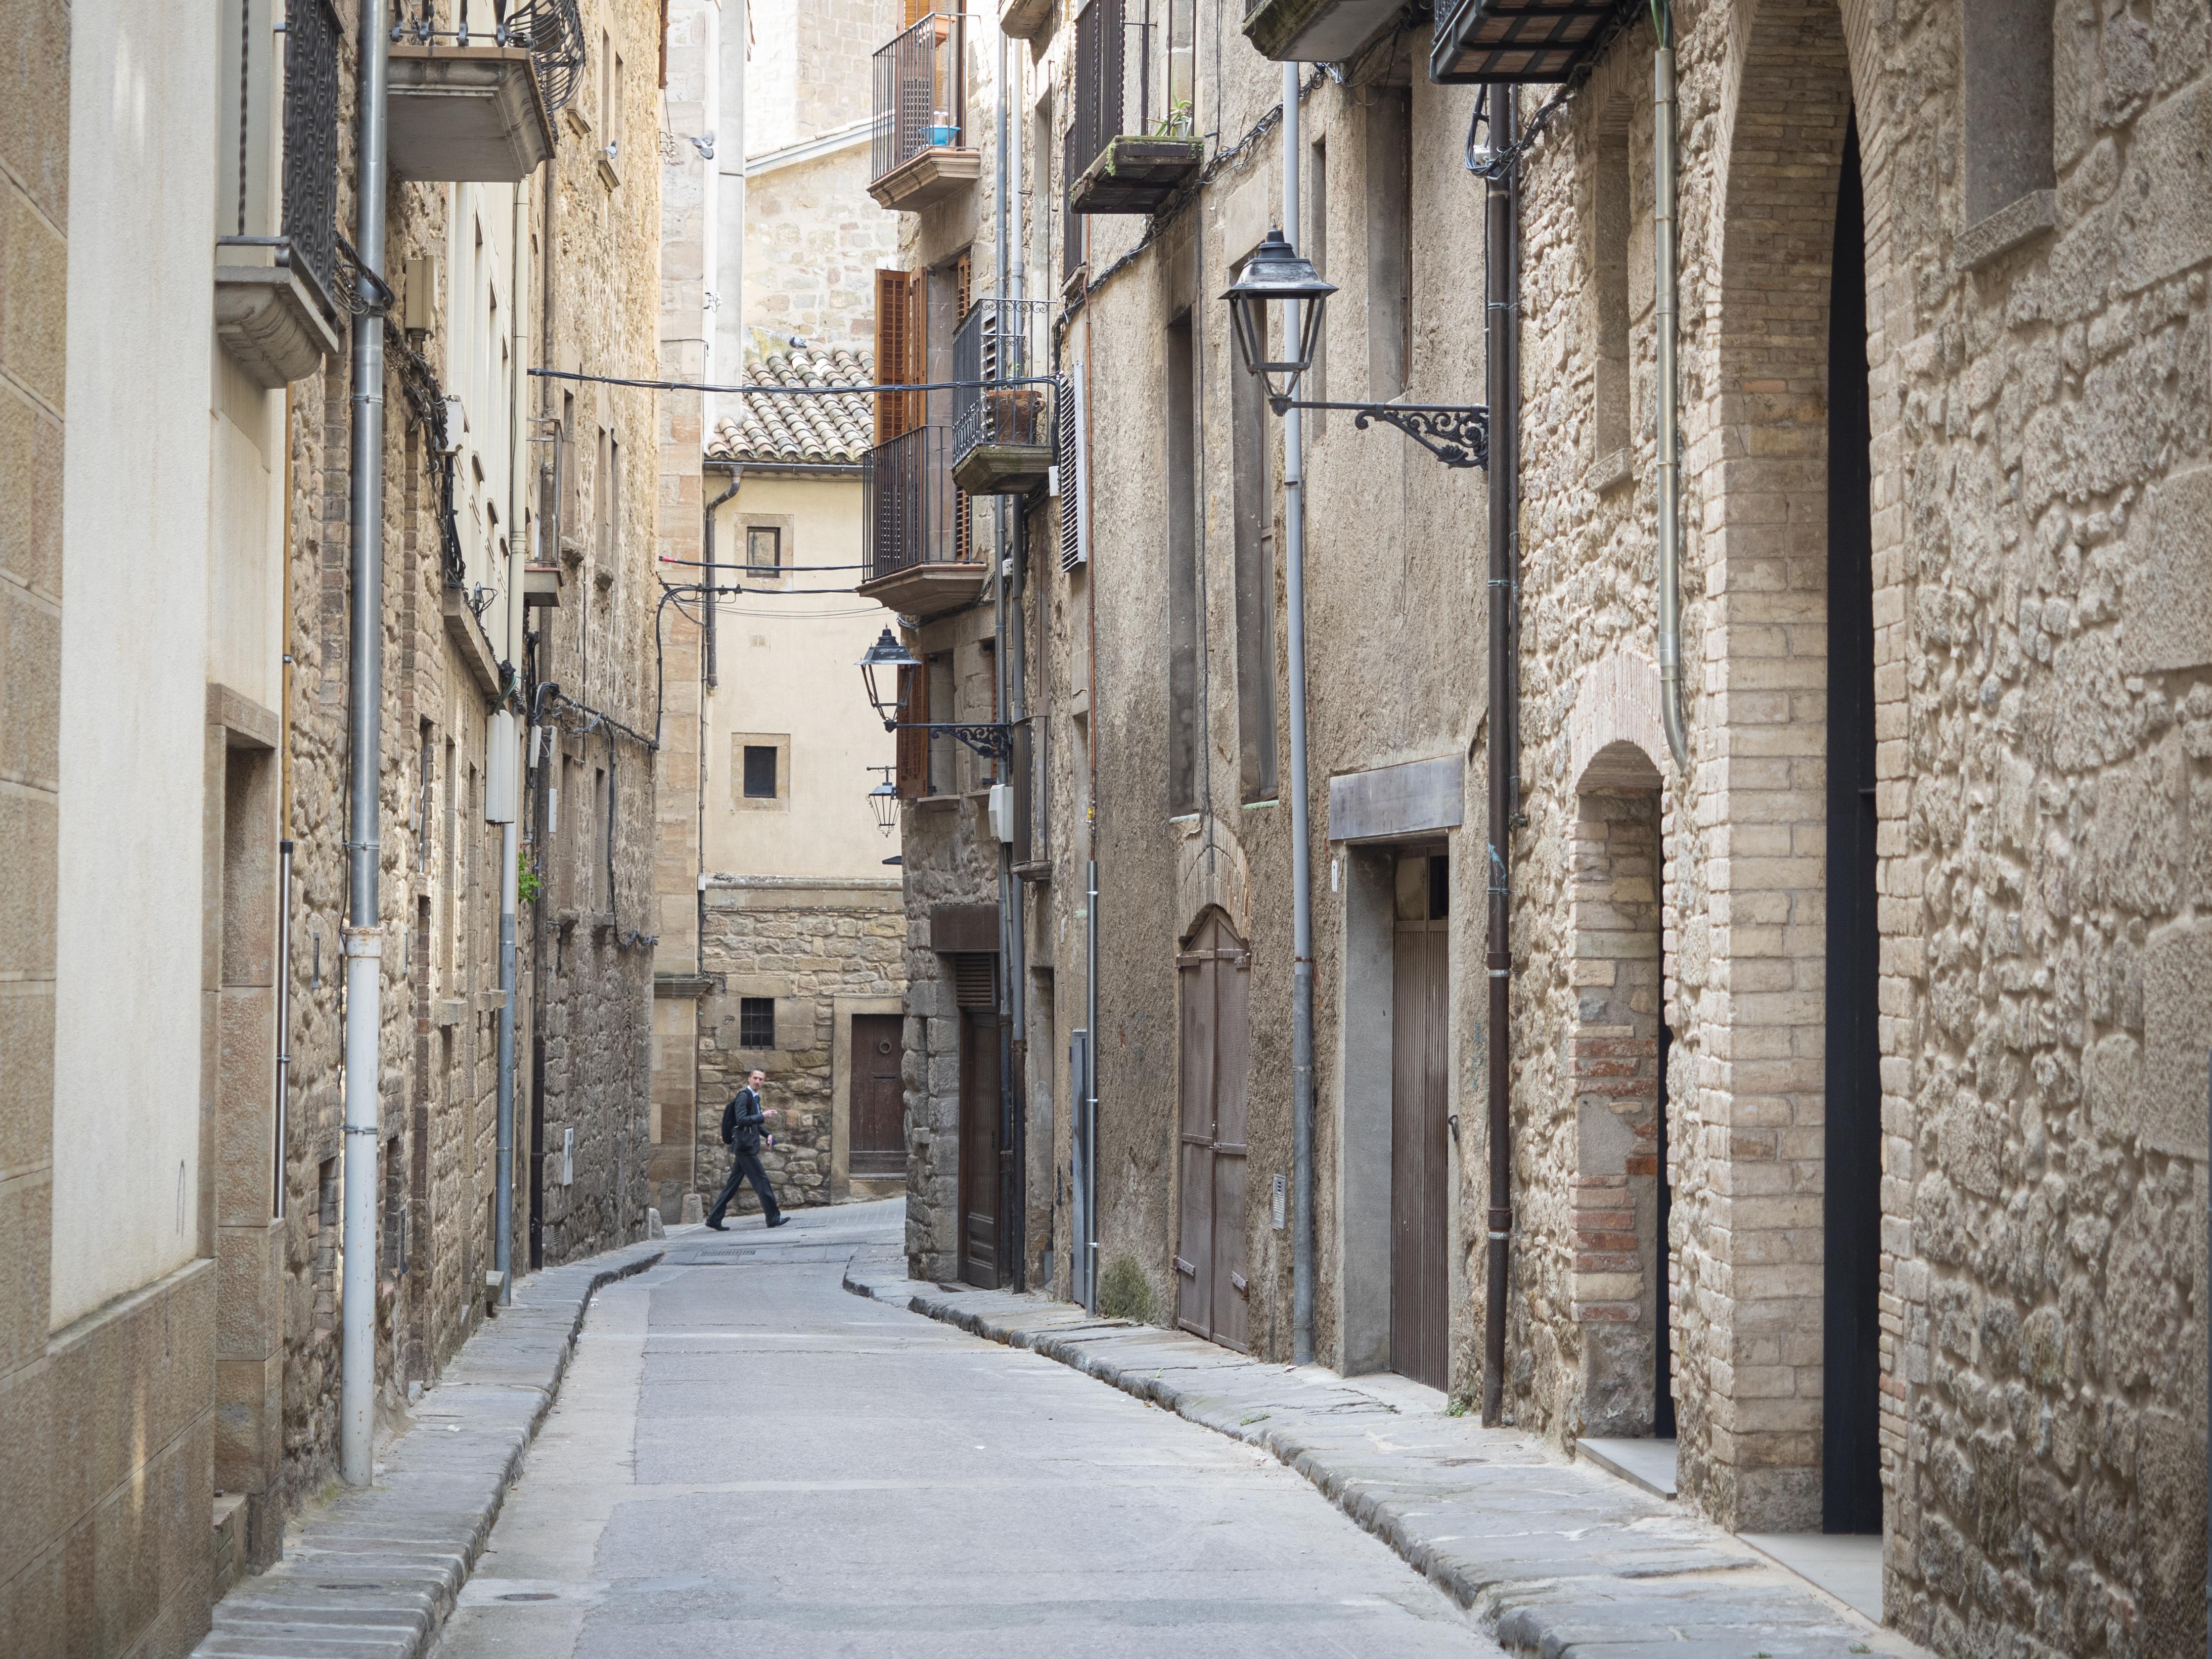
<point x="283" y="1019"/>
<point x="1301" y="969"/>
<point x="1670" y="460"/>
<point x="1500" y="324"/>
<point x="363" y="935"/>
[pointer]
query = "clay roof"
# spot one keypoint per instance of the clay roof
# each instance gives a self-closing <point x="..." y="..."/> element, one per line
<point x="814" y="430"/>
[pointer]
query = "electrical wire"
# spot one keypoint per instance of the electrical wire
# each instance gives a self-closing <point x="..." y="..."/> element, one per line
<point x="791" y="390"/>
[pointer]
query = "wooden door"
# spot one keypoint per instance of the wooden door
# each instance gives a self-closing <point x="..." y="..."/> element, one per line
<point x="878" y="1142"/>
<point x="1212" y="1293"/>
<point x="978" y="1148"/>
<point x="1420" y="1151"/>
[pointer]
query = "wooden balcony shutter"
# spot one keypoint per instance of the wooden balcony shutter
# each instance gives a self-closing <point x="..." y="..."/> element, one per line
<point x="963" y="517"/>
<point x="913" y="754"/>
<point x="898" y="350"/>
<point x="917" y="11"/>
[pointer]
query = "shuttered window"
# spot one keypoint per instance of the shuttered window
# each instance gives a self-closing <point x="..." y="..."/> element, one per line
<point x="1068" y="444"/>
<point x="914" y="742"/>
<point x="975" y="979"/>
<point x="900" y="338"/>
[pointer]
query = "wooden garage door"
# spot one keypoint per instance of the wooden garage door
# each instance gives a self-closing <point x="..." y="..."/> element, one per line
<point x="1212" y="1294"/>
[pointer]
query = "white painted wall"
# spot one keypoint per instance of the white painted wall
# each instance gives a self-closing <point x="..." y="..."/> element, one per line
<point x="136" y="522"/>
<point x="789" y="667"/>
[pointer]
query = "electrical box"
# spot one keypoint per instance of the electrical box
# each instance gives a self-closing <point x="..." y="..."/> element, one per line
<point x="456" y="423"/>
<point x="1002" y="811"/>
<point x="501" y="769"/>
<point x="418" y="299"/>
<point x="567" y="1158"/>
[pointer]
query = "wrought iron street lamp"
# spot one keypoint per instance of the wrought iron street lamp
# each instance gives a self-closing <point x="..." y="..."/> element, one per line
<point x="884" y="799"/>
<point x="886" y="652"/>
<point x="992" y="739"/>
<point x="1457" y="434"/>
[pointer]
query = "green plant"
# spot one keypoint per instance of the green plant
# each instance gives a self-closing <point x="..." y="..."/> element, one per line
<point x="1460" y="1406"/>
<point x="1175" y="124"/>
<point x="1124" y="1292"/>
<point x="527" y="884"/>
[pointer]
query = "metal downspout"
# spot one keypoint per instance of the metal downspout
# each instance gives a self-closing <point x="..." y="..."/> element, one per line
<point x="1301" y="969"/>
<point x="1499" y="326"/>
<point x="506" y="731"/>
<point x="363" y="934"/>
<point x="1670" y="457"/>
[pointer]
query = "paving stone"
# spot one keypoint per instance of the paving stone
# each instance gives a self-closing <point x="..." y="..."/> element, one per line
<point x="1551" y="1558"/>
<point x="373" y="1573"/>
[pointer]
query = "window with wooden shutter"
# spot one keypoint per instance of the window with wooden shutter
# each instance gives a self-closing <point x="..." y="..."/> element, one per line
<point x="915" y="10"/>
<point x="899" y="337"/>
<point x="963" y="514"/>
<point x="913" y="753"/>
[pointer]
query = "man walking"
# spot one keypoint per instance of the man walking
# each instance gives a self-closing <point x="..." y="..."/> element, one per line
<point x="741" y="1132"/>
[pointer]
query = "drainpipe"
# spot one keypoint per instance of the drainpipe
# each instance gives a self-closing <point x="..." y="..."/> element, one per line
<point x="1670" y="460"/>
<point x="1500" y="321"/>
<point x="1016" y="664"/>
<point x="506" y="737"/>
<point x="1301" y="969"/>
<point x="712" y="598"/>
<point x="363" y="935"/>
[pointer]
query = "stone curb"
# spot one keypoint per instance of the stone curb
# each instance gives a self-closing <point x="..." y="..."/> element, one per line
<point x="1548" y="1557"/>
<point x="372" y="1574"/>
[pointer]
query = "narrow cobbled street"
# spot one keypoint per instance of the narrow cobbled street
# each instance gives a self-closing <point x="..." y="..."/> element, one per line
<point x="745" y="1457"/>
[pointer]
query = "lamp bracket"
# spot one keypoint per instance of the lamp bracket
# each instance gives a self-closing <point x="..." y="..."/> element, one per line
<point x="1457" y="434"/>
<point x="993" y="741"/>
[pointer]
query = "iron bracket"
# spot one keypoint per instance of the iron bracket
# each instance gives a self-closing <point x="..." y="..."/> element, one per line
<point x="993" y="741"/>
<point x="1458" y="434"/>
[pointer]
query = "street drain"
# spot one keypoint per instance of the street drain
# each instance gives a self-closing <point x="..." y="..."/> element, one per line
<point x="350" y="1587"/>
<point x="530" y="1596"/>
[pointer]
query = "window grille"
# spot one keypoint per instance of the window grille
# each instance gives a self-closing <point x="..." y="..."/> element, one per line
<point x="757" y="1021"/>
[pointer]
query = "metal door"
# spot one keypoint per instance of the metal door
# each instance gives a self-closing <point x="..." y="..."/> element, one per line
<point x="1420" y="1151"/>
<point x="1212" y="1292"/>
<point x="978" y="1148"/>
<point x="878" y="1144"/>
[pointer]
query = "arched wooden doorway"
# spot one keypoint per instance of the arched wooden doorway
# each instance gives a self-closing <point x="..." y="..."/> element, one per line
<point x="1214" y="972"/>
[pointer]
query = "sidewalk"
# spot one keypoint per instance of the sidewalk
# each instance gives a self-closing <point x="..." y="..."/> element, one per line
<point x="1549" y="1557"/>
<point x="373" y="1573"/>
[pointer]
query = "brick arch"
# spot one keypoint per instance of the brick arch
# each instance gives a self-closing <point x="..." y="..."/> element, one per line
<point x="1749" y="1217"/>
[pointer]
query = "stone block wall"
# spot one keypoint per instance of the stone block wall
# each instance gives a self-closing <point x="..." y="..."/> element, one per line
<point x="2039" y="392"/>
<point x="815" y="945"/>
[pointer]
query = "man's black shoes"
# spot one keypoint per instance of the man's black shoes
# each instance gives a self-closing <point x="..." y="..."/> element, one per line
<point x="779" y="1221"/>
<point x="720" y="1226"/>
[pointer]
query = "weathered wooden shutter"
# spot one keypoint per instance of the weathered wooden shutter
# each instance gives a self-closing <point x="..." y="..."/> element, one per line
<point x="964" y="516"/>
<point x="1067" y="447"/>
<point x="898" y="349"/>
<point x="912" y="750"/>
<point x="915" y="10"/>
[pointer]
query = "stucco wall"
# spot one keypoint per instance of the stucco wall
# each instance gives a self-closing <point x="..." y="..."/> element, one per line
<point x="126" y="1119"/>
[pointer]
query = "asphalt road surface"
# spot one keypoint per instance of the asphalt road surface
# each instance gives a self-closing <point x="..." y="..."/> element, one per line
<point x="746" y="1458"/>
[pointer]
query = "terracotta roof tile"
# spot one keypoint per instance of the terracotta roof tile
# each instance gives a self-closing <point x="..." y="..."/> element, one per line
<point x="813" y="430"/>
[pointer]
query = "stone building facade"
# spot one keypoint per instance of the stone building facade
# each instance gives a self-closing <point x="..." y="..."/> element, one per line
<point x="201" y="1277"/>
<point x="1857" y="1059"/>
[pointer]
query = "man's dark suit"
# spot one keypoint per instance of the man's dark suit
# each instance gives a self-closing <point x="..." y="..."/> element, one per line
<point x="741" y="1134"/>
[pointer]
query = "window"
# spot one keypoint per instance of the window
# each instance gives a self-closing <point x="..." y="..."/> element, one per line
<point x="1183" y="623"/>
<point x="764" y="548"/>
<point x="2007" y="104"/>
<point x="1255" y="590"/>
<point x="943" y="749"/>
<point x="1610" y="220"/>
<point x="1389" y="244"/>
<point x="756" y="1022"/>
<point x="760" y="771"/>
<point x="602" y="898"/>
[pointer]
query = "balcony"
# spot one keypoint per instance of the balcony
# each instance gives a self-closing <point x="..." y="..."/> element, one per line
<point x="1528" y="42"/>
<point x="277" y="297"/>
<point x="1130" y="146"/>
<point x="1317" y="31"/>
<point x="918" y="148"/>
<point x="1001" y="434"/>
<point x="919" y="557"/>
<point x="473" y="95"/>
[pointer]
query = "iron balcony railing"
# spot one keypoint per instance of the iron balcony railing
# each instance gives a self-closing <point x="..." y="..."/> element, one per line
<point x="912" y="514"/>
<point x="1000" y="341"/>
<point x="314" y="39"/>
<point x="551" y="31"/>
<point x="920" y="94"/>
<point x="1133" y="74"/>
